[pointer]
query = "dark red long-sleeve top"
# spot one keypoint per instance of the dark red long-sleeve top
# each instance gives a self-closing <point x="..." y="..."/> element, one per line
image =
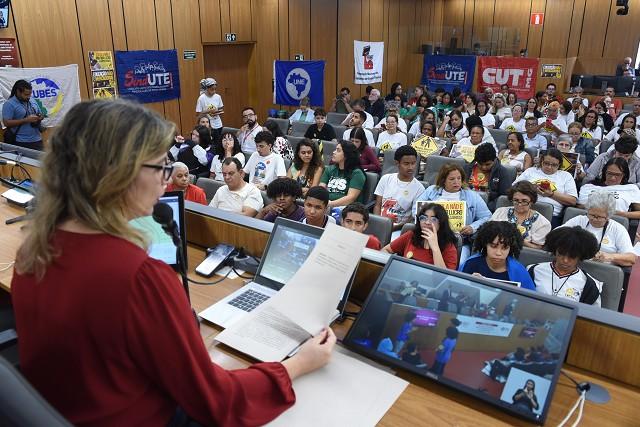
<point x="108" y="338"/>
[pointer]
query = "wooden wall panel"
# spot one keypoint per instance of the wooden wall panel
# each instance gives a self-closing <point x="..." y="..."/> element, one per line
<point x="576" y="28"/>
<point x="409" y="58"/>
<point x="594" y="28"/>
<point x="350" y="30"/>
<point x="225" y="16"/>
<point x="283" y="28"/>
<point x="240" y="19"/>
<point x="534" y="35"/>
<point x="513" y="23"/>
<point x="265" y="52"/>
<point x="210" y="29"/>
<point x="554" y="43"/>
<point x="622" y="36"/>
<point x="118" y="31"/>
<point x="390" y="72"/>
<point x="479" y="23"/>
<point x="95" y="33"/>
<point x="299" y="29"/>
<point x="324" y="42"/>
<point x="165" y="41"/>
<point x="453" y="21"/>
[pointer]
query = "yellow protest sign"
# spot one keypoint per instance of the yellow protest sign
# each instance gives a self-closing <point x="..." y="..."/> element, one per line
<point x="569" y="161"/>
<point x="385" y="147"/>
<point x="426" y="146"/>
<point x="456" y="210"/>
<point x="467" y="152"/>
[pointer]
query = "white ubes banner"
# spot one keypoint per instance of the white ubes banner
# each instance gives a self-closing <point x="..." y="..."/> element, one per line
<point x="55" y="89"/>
<point x="368" y="58"/>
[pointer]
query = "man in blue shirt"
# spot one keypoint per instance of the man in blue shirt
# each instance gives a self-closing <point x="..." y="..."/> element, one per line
<point x="23" y="117"/>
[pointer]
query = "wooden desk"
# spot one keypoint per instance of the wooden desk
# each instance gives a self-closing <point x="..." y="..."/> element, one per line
<point x="424" y="399"/>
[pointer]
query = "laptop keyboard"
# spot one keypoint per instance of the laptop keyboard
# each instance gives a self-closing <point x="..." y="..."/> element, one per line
<point x="248" y="300"/>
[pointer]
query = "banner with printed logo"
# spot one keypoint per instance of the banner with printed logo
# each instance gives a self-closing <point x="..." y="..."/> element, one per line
<point x="448" y="72"/>
<point x="54" y="89"/>
<point x="519" y="74"/>
<point x="368" y="59"/>
<point x="148" y="75"/>
<point x="295" y="80"/>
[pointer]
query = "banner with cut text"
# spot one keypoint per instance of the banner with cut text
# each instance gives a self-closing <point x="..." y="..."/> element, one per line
<point x="148" y="75"/>
<point x="520" y="74"/>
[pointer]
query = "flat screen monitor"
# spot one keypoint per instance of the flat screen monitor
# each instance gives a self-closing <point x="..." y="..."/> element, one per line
<point x="497" y="342"/>
<point x="160" y="243"/>
<point x="4" y="13"/>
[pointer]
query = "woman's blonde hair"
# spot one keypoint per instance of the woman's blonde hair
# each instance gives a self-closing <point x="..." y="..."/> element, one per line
<point x="91" y="161"/>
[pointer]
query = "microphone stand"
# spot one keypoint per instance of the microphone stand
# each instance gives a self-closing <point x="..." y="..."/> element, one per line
<point x="172" y="230"/>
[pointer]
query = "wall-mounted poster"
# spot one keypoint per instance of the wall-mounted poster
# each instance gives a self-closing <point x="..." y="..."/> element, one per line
<point x="4" y="13"/>
<point x="103" y="77"/>
<point x="148" y="75"/>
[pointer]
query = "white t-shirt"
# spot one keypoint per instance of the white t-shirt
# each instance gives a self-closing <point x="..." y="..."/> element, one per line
<point x="616" y="238"/>
<point x="516" y="161"/>
<point x="568" y="118"/>
<point x="571" y="286"/>
<point x="297" y="116"/>
<point x="561" y="181"/>
<point x="621" y="118"/>
<point x="234" y="201"/>
<point x="449" y="196"/>
<point x="368" y="124"/>
<point x="402" y="125"/>
<point x="398" y="197"/>
<point x="386" y="141"/>
<point x="205" y="102"/>
<point x="613" y="135"/>
<point x="263" y="170"/>
<point x="463" y="132"/>
<point x="503" y="113"/>
<point x="558" y="122"/>
<point x="248" y="139"/>
<point x="509" y="125"/>
<point x="415" y="128"/>
<point x="488" y="120"/>
<point x="625" y="194"/>
<point x="372" y="143"/>
<point x="592" y="134"/>
<point x="216" y="166"/>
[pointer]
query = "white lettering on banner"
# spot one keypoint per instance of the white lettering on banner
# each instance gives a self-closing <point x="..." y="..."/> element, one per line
<point x="501" y="76"/>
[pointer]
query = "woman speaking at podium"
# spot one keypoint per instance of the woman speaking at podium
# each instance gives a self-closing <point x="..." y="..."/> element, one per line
<point x="106" y="333"/>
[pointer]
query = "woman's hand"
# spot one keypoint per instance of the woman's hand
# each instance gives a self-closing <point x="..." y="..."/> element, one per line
<point x="314" y="354"/>
<point x="467" y="230"/>
<point x="602" y="257"/>
<point x="547" y="192"/>
<point x="431" y="238"/>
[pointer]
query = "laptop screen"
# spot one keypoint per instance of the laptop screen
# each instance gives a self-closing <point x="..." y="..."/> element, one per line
<point x="161" y="246"/>
<point x="497" y="342"/>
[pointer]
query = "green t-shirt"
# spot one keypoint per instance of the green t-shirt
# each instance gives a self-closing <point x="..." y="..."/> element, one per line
<point x="339" y="184"/>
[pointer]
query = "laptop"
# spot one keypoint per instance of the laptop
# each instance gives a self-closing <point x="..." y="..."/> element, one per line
<point x="496" y="342"/>
<point x="289" y="245"/>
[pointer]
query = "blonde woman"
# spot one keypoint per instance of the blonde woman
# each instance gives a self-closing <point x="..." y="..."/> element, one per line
<point x="115" y="318"/>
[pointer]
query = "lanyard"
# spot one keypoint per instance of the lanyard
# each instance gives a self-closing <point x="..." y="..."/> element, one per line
<point x="604" y="230"/>
<point x="553" y="274"/>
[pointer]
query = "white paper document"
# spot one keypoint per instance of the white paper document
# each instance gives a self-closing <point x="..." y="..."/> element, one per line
<point x="305" y="304"/>
<point x="346" y="392"/>
<point x="18" y="196"/>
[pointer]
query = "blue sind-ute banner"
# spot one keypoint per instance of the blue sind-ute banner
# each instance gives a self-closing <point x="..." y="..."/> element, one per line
<point x="448" y="72"/>
<point x="296" y="79"/>
<point x="148" y="75"/>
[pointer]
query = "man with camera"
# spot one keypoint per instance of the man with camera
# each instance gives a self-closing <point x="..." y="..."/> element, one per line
<point x="22" y="118"/>
<point x="341" y="103"/>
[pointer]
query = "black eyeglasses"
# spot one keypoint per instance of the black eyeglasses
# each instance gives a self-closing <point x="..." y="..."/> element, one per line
<point x="167" y="169"/>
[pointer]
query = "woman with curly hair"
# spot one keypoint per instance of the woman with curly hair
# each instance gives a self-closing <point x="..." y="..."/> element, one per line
<point x="498" y="244"/>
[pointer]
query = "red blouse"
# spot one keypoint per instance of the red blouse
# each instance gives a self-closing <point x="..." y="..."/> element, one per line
<point x="108" y="338"/>
<point x="193" y="193"/>
<point x="404" y="246"/>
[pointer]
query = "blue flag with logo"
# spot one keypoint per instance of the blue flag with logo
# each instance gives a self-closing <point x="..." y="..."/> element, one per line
<point x="148" y="75"/>
<point x="448" y="72"/>
<point x="296" y="79"/>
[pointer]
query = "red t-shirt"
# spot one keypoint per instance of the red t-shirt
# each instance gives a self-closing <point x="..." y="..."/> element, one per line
<point x="108" y="338"/>
<point x="374" y="243"/>
<point x="193" y="193"/>
<point x="405" y="247"/>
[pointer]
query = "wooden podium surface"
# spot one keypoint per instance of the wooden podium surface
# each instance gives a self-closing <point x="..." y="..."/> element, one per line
<point x="424" y="402"/>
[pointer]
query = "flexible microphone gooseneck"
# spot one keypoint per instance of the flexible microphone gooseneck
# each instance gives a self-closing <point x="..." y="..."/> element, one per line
<point x="163" y="215"/>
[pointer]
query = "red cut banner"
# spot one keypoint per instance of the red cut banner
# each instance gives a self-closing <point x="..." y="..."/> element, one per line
<point x="518" y="73"/>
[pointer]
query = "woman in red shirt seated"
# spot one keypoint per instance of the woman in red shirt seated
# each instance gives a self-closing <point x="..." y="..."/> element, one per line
<point x="180" y="182"/>
<point x="107" y="335"/>
<point x="431" y="241"/>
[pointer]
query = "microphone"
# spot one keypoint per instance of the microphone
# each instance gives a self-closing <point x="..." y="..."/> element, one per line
<point x="7" y="162"/>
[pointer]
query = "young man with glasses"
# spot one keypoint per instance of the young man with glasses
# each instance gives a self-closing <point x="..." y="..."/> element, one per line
<point x="625" y="148"/>
<point x="249" y="130"/>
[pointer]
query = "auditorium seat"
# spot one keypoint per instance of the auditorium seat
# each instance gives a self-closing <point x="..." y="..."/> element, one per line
<point x="571" y="212"/>
<point x="209" y="186"/>
<point x="336" y="118"/>
<point x="389" y="163"/>
<point x="533" y="152"/>
<point x="294" y="141"/>
<point x="327" y="149"/>
<point x="230" y="130"/>
<point x="434" y="163"/>
<point x="499" y="135"/>
<point x="369" y="188"/>
<point x="299" y="128"/>
<point x="283" y="124"/>
<point x="381" y="227"/>
<point x="339" y="129"/>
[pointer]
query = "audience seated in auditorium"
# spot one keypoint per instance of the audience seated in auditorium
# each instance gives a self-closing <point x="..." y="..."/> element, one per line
<point x="375" y="104"/>
<point x="315" y="207"/>
<point x="237" y="195"/>
<point x="344" y="178"/>
<point x="555" y="186"/>
<point x="500" y="108"/>
<point x="469" y="103"/>
<point x="342" y="103"/>
<point x="396" y="90"/>
<point x="564" y="145"/>
<point x="368" y="159"/>
<point x="307" y="165"/>
<point x="551" y="93"/>
<point x="532" y="226"/>
<point x="562" y="277"/>
<point x="356" y="217"/>
<point x="614" y="243"/>
<point x="250" y="128"/>
<point x="542" y="100"/>
<point x="453" y="127"/>
<point x="359" y="105"/>
<point x="444" y="104"/>
<point x="482" y="111"/>
<point x="531" y="109"/>
<point x="264" y="166"/>
<point x="566" y="113"/>
<point x="281" y="145"/>
<point x="304" y="113"/>
<point x="515" y="123"/>
<point x="320" y="130"/>
<point x="605" y="120"/>
<point x="391" y="138"/>
<point x="392" y="110"/>
<point x="498" y="244"/>
<point x="635" y="111"/>
<point x="283" y="192"/>
<point x="578" y="143"/>
<point x="413" y="112"/>
<point x="229" y="146"/>
<point x="590" y="129"/>
<point x="628" y="127"/>
<point x="626" y="66"/>
<point x="552" y="124"/>
<point x="194" y="152"/>
<point x="487" y="174"/>
<point x="426" y="116"/>
<point x="625" y="147"/>
<point x="431" y="241"/>
<point x="180" y="182"/>
<point x="515" y="155"/>
<point x="578" y="93"/>
<point x="356" y="121"/>
<point x="397" y="192"/>
<point x="614" y="106"/>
